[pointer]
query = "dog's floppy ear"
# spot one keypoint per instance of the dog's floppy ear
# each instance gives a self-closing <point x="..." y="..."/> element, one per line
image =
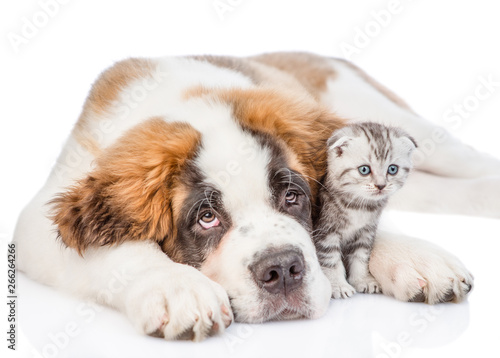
<point x="128" y="195"/>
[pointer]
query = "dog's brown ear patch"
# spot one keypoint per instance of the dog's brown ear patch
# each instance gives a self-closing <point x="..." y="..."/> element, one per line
<point x="128" y="196"/>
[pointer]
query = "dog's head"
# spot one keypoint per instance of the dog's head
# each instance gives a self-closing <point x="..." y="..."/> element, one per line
<point x="232" y="193"/>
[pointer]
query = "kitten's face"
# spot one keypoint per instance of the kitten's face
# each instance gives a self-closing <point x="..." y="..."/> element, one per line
<point x="372" y="165"/>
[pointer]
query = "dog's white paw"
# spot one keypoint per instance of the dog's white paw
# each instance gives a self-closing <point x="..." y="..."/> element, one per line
<point x="366" y="284"/>
<point x="178" y="303"/>
<point x="417" y="271"/>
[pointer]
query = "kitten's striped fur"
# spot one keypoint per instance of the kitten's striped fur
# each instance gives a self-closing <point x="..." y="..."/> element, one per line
<point x="351" y="202"/>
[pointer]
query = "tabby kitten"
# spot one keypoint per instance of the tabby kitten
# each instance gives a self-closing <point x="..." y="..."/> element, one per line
<point x="367" y="163"/>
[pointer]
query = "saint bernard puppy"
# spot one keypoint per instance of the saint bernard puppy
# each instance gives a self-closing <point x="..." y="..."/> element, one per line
<point x="185" y="195"/>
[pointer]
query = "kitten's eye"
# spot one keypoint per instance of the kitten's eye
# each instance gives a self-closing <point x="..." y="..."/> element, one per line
<point x="291" y="197"/>
<point x="393" y="169"/>
<point x="364" y="170"/>
<point x="208" y="220"/>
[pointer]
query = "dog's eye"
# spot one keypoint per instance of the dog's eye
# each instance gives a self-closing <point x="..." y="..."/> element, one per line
<point x="208" y="220"/>
<point x="291" y="197"/>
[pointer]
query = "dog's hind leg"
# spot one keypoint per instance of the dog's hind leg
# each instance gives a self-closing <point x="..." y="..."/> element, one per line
<point x="435" y="194"/>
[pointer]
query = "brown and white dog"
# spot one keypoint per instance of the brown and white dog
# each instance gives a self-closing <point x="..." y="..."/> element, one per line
<point x="196" y="187"/>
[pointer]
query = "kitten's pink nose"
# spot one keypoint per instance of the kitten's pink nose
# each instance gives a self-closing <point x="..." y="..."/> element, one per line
<point x="380" y="186"/>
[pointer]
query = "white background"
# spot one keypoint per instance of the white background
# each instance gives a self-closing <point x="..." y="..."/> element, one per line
<point x="432" y="53"/>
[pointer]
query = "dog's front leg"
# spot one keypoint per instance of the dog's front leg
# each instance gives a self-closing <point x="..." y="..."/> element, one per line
<point x="411" y="269"/>
<point x="161" y="298"/>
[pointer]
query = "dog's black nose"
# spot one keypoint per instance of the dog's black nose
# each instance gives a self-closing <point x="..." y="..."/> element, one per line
<point x="279" y="273"/>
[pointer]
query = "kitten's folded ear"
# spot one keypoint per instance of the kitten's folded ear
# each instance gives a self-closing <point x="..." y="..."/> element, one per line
<point x="410" y="141"/>
<point x="338" y="142"/>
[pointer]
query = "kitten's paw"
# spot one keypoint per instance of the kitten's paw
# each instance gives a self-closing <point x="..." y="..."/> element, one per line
<point x="340" y="287"/>
<point x="342" y="290"/>
<point x="417" y="271"/>
<point x="366" y="284"/>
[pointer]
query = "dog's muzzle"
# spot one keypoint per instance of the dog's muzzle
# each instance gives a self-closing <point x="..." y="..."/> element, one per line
<point x="279" y="273"/>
